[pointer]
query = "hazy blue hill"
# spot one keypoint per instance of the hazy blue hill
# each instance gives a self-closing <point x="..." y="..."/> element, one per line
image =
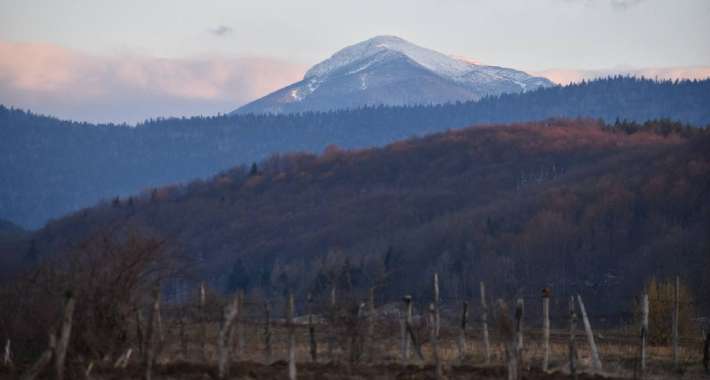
<point x="50" y="167"/>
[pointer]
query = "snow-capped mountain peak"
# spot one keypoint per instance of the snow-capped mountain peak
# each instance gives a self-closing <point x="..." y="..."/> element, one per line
<point x="392" y="71"/>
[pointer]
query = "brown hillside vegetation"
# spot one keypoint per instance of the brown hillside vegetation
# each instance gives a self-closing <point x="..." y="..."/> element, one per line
<point x="566" y="204"/>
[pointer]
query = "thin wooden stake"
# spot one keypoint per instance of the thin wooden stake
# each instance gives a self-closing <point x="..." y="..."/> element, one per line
<point x="676" y="312"/>
<point x="434" y="342"/>
<point x="223" y="346"/>
<point x="546" y="328"/>
<point x="644" y="332"/>
<point x="203" y="321"/>
<point x="462" y="332"/>
<point x="572" y="339"/>
<point x="706" y="353"/>
<point x="507" y="334"/>
<point x="407" y="323"/>
<point x="7" y="357"/>
<point x="239" y="321"/>
<point x="596" y="362"/>
<point x="60" y="352"/>
<point x="484" y="322"/>
<point x="331" y="327"/>
<point x="152" y="334"/>
<point x="519" y="310"/>
<point x="291" y="339"/>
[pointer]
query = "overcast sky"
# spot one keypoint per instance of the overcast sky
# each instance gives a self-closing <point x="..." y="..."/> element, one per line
<point x="130" y="59"/>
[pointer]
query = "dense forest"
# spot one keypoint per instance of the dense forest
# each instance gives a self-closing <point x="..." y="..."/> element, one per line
<point x="50" y="167"/>
<point x="575" y="205"/>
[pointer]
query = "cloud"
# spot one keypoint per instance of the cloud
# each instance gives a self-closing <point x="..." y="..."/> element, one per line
<point x="567" y="76"/>
<point x="69" y="84"/>
<point x="221" y="30"/>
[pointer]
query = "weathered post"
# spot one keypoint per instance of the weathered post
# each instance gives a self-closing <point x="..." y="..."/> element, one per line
<point x="572" y="339"/>
<point x="371" y="325"/>
<point x="415" y="344"/>
<point x="407" y="324"/>
<point x="331" y="327"/>
<point x="676" y="311"/>
<point x="291" y="339"/>
<point x="223" y="345"/>
<point x="437" y="318"/>
<point x="507" y="334"/>
<point x="484" y="322"/>
<point x="644" y="332"/>
<point x="203" y="321"/>
<point x="434" y="342"/>
<point x="152" y="335"/>
<point x="546" y="328"/>
<point x="241" y="340"/>
<point x="313" y="348"/>
<point x="596" y="362"/>
<point x="267" y="332"/>
<point x="462" y="332"/>
<point x="140" y="334"/>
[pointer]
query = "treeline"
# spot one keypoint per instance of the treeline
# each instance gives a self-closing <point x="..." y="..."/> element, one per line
<point x="51" y="167"/>
<point x="573" y="205"/>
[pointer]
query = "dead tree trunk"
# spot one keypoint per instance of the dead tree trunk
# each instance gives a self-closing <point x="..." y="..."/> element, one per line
<point x="546" y="328"/>
<point x="313" y="347"/>
<point x="64" y="335"/>
<point x="484" y="322"/>
<point x="644" y="333"/>
<point x="223" y="346"/>
<point x="510" y="345"/>
<point x="572" y="339"/>
<point x="434" y="342"/>
<point x="462" y="332"/>
<point x="291" y="339"/>
<point x="437" y="317"/>
<point x="331" y="325"/>
<point x="43" y="360"/>
<point x="371" y="325"/>
<point x="203" y="321"/>
<point x="676" y="312"/>
<point x="267" y="332"/>
<point x="151" y="335"/>
<point x="596" y="362"/>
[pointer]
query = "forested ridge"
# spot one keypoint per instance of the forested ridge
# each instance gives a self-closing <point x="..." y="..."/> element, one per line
<point x="49" y="167"/>
<point x="573" y="205"/>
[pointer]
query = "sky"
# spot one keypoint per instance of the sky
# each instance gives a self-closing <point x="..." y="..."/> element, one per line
<point x="128" y="60"/>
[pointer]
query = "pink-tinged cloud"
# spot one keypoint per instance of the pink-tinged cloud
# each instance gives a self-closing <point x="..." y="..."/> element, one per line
<point x="567" y="76"/>
<point x="69" y="84"/>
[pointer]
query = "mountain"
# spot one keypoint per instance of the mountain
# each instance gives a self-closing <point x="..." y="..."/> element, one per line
<point x="391" y="71"/>
<point x="51" y="167"/>
<point x="569" y="204"/>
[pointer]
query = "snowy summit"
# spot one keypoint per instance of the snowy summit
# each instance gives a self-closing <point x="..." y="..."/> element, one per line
<point x="392" y="71"/>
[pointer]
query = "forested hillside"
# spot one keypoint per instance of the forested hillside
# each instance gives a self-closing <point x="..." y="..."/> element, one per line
<point x="573" y="205"/>
<point x="50" y="167"/>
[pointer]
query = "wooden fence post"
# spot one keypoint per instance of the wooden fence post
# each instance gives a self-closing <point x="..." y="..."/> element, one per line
<point x="203" y="321"/>
<point x="546" y="328"/>
<point x="410" y="330"/>
<point x="676" y="311"/>
<point x="437" y="317"/>
<point x="407" y="323"/>
<point x="223" y="346"/>
<point x="507" y="334"/>
<point x="313" y="347"/>
<point x="267" y="332"/>
<point x="140" y="334"/>
<point x="152" y="334"/>
<point x="239" y="321"/>
<point x="462" y="332"/>
<point x="371" y="325"/>
<point x="291" y="339"/>
<point x="596" y="362"/>
<point x="572" y="339"/>
<point x="484" y="321"/>
<point x="644" y="332"/>
<point x="434" y="342"/>
<point x="519" y="310"/>
<point x="7" y="356"/>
